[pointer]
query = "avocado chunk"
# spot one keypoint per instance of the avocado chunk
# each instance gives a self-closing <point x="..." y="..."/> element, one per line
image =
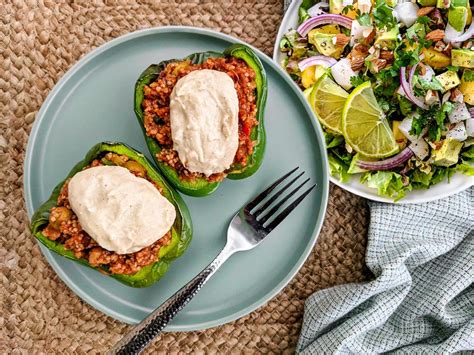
<point x="457" y="17"/>
<point x="393" y="3"/>
<point x="448" y="153"/>
<point x="448" y="80"/>
<point x="416" y="31"/>
<point x="467" y="86"/>
<point x="462" y="57"/>
<point x="459" y="3"/>
<point x="325" y="44"/>
<point x="443" y="4"/>
<point x="387" y="39"/>
<point x="427" y="2"/>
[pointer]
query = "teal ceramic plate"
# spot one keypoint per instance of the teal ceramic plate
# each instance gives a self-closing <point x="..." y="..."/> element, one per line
<point x="94" y="102"/>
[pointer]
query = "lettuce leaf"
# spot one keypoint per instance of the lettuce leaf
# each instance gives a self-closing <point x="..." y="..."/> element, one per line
<point x="332" y="140"/>
<point x="468" y="154"/>
<point x="286" y="43"/>
<point x="465" y="168"/>
<point x="337" y="167"/>
<point x="405" y="105"/>
<point x="421" y="180"/>
<point x="303" y="10"/>
<point x="441" y="173"/>
<point x="387" y="183"/>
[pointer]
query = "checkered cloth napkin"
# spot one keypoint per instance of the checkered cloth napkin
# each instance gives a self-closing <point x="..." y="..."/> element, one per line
<point x="422" y="297"/>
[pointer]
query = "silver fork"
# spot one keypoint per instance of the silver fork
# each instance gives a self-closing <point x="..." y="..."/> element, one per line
<point x="250" y="225"/>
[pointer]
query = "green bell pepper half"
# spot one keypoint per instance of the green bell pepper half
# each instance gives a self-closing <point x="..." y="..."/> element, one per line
<point x="200" y="186"/>
<point x="181" y="231"/>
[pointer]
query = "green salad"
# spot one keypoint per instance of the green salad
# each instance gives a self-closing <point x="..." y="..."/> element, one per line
<point x="392" y="84"/>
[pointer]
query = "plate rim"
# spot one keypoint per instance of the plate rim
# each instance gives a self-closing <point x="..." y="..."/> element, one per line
<point x="318" y="223"/>
<point x="293" y="8"/>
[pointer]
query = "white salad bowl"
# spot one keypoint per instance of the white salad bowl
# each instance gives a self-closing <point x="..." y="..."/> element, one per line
<point x="457" y="183"/>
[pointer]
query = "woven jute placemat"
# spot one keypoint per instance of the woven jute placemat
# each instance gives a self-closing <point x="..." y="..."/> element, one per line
<point x="39" y="41"/>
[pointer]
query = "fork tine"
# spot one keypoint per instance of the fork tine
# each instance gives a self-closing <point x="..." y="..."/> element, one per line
<point x="278" y="219"/>
<point x="251" y="205"/>
<point x="275" y="196"/>
<point x="280" y="203"/>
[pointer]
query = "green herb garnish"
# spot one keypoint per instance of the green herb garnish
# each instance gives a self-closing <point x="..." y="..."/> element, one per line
<point x="383" y="15"/>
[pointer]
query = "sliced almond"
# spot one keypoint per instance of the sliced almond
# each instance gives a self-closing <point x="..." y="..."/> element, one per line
<point x="436" y="35"/>
<point x="387" y="55"/>
<point x="357" y="63"/>
<point x="341" y="40"/>
<point x="425" y="10"/>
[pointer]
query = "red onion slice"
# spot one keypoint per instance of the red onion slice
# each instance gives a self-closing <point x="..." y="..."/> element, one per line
<point x="325" y="19"/>
<point x="471" y="111"/>
<point x="408" y="89"/>
<point x="411" y="74"/>
<point x="317" y="60"/>
<point x="387" y="164"/>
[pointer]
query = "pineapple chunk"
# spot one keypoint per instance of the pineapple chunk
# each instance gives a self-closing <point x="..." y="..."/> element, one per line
<point x="435" y="59"/>
<point x="328" y="29"/>
<point x="399" y="136"/>
<point x="307" y="76"/>
<point x="396" y="131"/>
<point x="467" y="87"/>
<point x="336" y="6"/>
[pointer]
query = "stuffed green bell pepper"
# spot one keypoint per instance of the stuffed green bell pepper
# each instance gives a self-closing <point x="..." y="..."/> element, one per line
<point x="184" y="150"/>
<point x="66" y="227"/>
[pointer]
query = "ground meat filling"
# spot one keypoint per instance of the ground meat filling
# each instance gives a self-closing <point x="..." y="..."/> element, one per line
<point x="64" y="227"/>
<point x="156" y="107"/>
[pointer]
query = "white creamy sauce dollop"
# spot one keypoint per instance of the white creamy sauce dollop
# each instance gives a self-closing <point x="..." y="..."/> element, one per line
<point x="121" y="212"/>
<point x="204" y="115"/>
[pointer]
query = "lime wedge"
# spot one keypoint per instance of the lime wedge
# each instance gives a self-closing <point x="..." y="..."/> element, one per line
<point x="364" y="124"/>
<point x="327" y="100"/>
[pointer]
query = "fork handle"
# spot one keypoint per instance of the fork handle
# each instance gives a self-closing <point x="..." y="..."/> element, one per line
<point x="139" y="337"/>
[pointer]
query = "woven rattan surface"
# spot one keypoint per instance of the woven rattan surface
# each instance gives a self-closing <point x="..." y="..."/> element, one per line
<point x="39" y="41"/>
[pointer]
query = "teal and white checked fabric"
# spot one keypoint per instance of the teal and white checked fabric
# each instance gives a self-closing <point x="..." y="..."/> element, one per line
<point x="422" y="298"/>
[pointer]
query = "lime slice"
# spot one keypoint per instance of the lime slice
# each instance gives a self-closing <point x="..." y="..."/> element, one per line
<point x="327" y="100"/>
<point x="364" y="124"/>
